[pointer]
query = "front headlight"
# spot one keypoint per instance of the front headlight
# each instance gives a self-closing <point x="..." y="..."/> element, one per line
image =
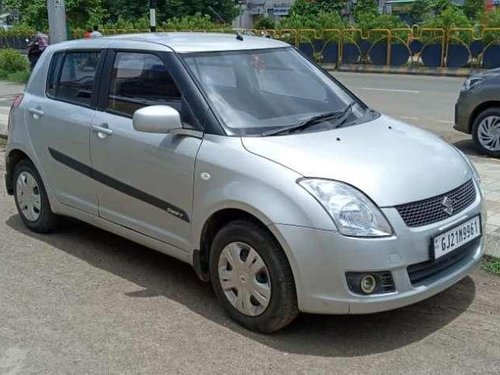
<point x="353" y="213"/>
<point x="472" y="82"/>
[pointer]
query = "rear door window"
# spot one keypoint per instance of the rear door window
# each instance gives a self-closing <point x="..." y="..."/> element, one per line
<point x="73" y="77"/>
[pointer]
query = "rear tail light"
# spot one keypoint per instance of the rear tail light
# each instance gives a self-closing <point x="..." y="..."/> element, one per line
<point x="17" y="101"/>
<point x="15" y="104"/>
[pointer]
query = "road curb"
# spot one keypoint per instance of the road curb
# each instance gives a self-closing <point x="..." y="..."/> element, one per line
<point x="492" y="244"/>
<point x="436" y="72"/>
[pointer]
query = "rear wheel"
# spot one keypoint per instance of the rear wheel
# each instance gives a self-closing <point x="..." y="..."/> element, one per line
<point x="31" y="198"/>
<point x="252" y="278"/>
<point x="486" y="132"/>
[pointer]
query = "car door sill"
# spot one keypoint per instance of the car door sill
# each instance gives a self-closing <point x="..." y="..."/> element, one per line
<point x="130" y="234"/>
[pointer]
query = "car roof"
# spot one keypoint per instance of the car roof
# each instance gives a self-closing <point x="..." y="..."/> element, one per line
<point x="181" y="42"/>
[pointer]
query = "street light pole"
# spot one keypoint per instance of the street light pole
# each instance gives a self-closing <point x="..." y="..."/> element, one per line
<point x="57" y="21"/>
<point x="152" y="16"/>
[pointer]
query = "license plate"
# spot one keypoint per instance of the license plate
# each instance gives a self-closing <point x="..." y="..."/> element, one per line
<point x="454" y="238"/>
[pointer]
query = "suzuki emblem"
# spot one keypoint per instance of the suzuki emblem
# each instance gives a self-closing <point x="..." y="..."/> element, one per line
<point x="448" y="205"/>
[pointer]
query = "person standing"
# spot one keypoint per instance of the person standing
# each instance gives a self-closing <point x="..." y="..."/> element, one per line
<point x="36" y="47"/>
<point x="95" y="33"/>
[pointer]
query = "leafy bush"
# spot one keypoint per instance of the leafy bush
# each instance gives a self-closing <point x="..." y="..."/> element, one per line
<point x="120" y="23"/>
<point x="196" y="22"/>
<point x="369" y="21"/>
<point x="473" y="8"/>
<point x="420" y="9"/>
<point x="451" y="17"/>
<point x="323" y="20"/>
<point x="20" y="77"/>
<point x="365" y="9"/>
<point x="439" y="6"/>
<point x="492" y="20"/>
<point x="313" y="8"/>
<point x="265" y="23"/>
<point x="12" y="61"/>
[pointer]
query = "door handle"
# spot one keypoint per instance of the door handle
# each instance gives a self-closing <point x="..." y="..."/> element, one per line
<point x="36" y="112"/>
<point x="102" y="129"/>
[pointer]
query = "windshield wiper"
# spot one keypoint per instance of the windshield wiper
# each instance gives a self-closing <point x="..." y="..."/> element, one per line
<point x="341" y="115"/>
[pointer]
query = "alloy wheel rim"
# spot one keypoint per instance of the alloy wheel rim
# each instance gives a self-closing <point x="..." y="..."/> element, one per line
<point x="244" y="278"/>
<point x="28" y="196"/>
<point x="489" y="133"/>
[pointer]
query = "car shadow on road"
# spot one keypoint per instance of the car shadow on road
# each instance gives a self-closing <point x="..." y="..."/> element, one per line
<point x="156" y="274"/>
<point x="468" y="148"/>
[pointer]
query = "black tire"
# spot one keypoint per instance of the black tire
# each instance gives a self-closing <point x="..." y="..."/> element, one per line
<point x="47" y="220"/>
<point x="475" y="128"/>
<point x="282" y="308"/>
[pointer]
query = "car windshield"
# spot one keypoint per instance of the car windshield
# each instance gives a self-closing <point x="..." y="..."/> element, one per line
<point x="260" y="92"/>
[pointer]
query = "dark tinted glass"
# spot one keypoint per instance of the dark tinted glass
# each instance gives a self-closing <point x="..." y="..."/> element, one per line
<point x="138" y="80"/>
<point x="74" y="78"/>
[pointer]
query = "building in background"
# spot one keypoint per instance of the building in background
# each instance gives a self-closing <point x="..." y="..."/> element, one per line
<point x="252" y="10"/>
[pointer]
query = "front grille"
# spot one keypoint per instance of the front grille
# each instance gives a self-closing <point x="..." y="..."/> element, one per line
<point x="432" y="210"/>
<point x="420" y="272"/>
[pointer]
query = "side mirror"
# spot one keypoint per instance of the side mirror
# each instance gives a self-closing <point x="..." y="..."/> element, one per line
<point x="157" y="119"/>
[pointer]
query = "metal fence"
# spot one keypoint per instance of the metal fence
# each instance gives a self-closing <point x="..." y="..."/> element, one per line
<point x="429" y="47"/>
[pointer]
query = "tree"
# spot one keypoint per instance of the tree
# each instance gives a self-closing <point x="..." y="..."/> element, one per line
<point x="365" y="9"/>
<point x="439" y="6"/>
<point x="473" y="9"/>
<point x="84" y="13"/>
<point x="313" y="8"/>
<point x="419" y="9"/>
<point x="131" y="10"/>
<point x="79" y="12"/>
<point x="266" y="23"/>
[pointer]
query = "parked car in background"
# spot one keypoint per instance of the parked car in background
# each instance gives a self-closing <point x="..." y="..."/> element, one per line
<point x="243" y="158"/>
<point x="477" y="111"/>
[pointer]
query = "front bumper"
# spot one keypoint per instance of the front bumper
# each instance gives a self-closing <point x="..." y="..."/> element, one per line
<point x="320" y="259"/>
<point x="464" y="107"/>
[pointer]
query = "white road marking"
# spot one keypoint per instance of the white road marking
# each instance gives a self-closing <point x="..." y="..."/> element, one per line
<point x="425" y="119"/>
<point x="390" y="90"/>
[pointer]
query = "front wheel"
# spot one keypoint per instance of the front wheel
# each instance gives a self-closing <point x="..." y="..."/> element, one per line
<point x="486" y="132"/>
<point x="252" y="278"/>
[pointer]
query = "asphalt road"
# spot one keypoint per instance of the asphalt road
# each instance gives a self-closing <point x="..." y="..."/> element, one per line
<point x="85" y="301"/>
<point x="425" y="101"/>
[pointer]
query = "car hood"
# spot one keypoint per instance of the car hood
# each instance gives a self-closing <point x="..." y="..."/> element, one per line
<point x="392" y="162"/>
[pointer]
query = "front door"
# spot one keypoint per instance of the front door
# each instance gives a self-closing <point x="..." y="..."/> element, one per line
<point x="145" y="180"/>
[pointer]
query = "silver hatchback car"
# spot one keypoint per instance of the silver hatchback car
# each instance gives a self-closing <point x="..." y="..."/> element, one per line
<point x="241" y="157"/>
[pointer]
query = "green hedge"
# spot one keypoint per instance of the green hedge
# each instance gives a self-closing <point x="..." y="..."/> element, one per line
<point x="13" y="66"/>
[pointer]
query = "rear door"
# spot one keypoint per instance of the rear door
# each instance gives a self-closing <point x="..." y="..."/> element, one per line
<point x="145" y="179"/>
<point x="60" y="122"/>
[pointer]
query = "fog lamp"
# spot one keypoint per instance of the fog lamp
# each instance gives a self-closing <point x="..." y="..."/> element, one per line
<point x="368" y="284"/>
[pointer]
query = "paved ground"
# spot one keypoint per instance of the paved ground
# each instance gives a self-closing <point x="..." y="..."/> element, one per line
<point x="85" y="301"/>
